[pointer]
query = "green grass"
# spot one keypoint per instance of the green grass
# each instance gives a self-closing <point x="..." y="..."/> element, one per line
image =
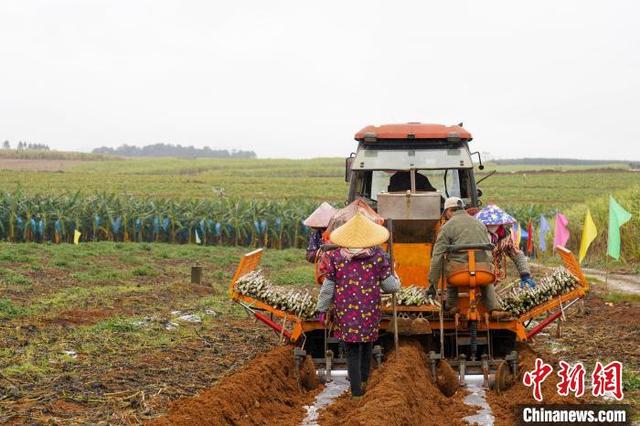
<point x="115" y="325"/>
<point x="631" y="380"/>
<point x="77" y="296"/>
<point x="279" y="179"/>
<point x="10" y="277"/>
<point x="94" y="275"/>
<point x="222" y="306"/>
<point x="26" y="369"/>
<point x="622" y="297"/>
<point x="9" y="310"/>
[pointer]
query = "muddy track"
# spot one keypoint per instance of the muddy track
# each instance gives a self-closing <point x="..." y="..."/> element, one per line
<point x="400" y="393"/>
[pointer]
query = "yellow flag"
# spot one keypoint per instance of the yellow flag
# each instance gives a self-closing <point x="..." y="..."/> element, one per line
<point x="76" y="237"/>
<point x="589" y="233"/>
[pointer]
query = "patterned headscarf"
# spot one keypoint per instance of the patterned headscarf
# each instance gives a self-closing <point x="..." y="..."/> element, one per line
<point x="494" y="215"/>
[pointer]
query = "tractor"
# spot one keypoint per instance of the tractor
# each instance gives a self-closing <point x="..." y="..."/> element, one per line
<point x="405" y="172"/>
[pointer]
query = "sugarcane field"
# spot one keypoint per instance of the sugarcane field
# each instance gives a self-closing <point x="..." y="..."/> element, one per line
<point x="296" y="214"/>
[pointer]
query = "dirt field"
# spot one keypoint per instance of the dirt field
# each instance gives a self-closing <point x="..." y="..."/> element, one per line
<point x="115" y="334"/>
<point x="265" y="392"/>
<point x="87" y="336"/>
<point x="400" y="392"/>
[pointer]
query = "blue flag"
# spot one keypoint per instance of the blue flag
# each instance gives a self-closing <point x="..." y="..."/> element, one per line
<point x="544" y="228"/>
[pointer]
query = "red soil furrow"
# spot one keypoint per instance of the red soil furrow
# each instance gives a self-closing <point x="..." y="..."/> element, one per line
<point x="264" y="392"/>
<point x="504" y="405"/>
<point x="401" y="392"/>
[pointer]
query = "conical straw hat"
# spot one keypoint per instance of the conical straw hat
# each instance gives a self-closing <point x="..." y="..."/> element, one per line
<point x="359" y="232"/>
<point x="343" y="215"/>
<point x="321" y="216"/>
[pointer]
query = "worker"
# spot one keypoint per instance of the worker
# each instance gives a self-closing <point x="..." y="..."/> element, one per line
<point x="357" y="273"/>
<point x="318" y="222"/>
<point x="461" y="228"/>
<point x="498" y="223"/>
<point x="401" y="181"/>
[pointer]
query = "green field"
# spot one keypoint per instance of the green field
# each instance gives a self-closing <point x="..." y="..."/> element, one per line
<point x="103" y="330"/>
<point x="317" y="179"/>
<point x="237" y="195"/>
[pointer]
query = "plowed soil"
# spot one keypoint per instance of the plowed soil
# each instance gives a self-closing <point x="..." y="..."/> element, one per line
<point x="504" y="404"/>
<point x="597" y="331"/>
<point x="265" y="392"/>
<point x="400" y="393"/>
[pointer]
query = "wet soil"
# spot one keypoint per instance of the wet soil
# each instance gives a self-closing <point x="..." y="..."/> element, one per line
<point x="401" y="392"/>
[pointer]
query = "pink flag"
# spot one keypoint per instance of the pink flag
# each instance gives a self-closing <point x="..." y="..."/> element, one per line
<point x="561" y="235"/>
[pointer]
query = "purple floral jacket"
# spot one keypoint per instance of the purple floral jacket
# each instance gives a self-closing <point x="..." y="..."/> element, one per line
<point x="354" y="285"/>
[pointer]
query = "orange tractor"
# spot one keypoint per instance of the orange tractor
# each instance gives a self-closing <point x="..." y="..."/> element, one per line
<point x="404" y="172"/>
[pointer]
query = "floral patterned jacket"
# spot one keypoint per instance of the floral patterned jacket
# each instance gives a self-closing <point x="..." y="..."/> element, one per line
<point x="354" y="284"/>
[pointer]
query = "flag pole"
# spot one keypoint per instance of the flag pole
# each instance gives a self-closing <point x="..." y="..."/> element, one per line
<point x="606" y="275"/>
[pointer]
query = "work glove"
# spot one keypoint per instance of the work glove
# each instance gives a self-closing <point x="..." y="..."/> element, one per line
<point x="526" y="280"/>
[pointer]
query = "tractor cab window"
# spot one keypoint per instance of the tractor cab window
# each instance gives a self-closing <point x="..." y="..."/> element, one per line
<point x="449" y="183"/>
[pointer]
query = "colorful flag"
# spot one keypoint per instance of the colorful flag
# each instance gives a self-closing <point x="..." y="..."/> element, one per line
<point x="516" y="234"/>
<point x="617" y="217"/>
<point x="530" y="239"/>
<point x="589" y="233"/>
<point x="76" y="237"/>
<point x="561" y="233"/>
<point x="542" y="233"/>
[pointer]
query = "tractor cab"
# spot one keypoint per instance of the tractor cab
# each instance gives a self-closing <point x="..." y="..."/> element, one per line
<point x="405" y="172"/>
<point x="412" y="157"/>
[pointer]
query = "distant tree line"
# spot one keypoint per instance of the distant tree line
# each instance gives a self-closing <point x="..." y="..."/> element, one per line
<point x="169" y="150"/>
<point x="26" y="146"/>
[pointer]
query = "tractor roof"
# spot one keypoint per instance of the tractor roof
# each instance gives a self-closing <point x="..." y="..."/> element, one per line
<point x="413" y="131"/>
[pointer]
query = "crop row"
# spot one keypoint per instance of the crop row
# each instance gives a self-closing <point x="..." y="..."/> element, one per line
<point x="110" y="217"/>
<point x="237" y="221"/>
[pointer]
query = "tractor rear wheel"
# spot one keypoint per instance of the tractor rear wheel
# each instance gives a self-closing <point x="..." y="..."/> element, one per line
<point x="446" y="379"/>
<point x="504" y="377"/>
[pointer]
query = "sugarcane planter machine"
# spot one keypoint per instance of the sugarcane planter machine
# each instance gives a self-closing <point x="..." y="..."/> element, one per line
<point x="404" y="172"/>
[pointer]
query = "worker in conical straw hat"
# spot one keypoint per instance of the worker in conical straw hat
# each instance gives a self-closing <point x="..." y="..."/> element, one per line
<point x="498" y="223"/>
<point x="461" y="228"/>
<point x="357" y="273"/>
<point x="318" y="221"/>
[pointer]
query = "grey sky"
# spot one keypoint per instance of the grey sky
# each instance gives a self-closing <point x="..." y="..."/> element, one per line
<point x="298" y="79"/>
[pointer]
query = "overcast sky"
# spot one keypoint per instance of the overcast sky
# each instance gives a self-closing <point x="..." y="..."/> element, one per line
<point x="298" y="79"/>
